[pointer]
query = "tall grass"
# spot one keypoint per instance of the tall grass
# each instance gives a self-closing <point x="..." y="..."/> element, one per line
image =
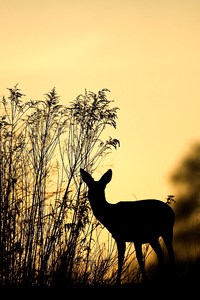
<point x="48" y="235"/>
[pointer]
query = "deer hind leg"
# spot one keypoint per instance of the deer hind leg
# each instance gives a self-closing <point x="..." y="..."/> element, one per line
<point x="121" y="247"/>
<point x="141" y="260"/>
<point x="158" y="250"/>
<point x="169" y="245"/>
<point x="160" y="255"/>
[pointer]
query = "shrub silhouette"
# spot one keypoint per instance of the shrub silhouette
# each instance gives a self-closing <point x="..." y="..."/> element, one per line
<point x="46" y="225"/>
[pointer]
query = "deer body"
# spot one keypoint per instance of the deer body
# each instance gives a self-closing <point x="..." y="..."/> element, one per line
<point x="140" y="222"/>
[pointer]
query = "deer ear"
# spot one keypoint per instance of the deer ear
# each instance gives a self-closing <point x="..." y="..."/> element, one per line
<point x="106" y="177"/>
<point x="87" y="178"/>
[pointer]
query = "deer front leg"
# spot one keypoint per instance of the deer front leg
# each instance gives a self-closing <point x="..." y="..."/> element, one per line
<point x="121" y="247"/>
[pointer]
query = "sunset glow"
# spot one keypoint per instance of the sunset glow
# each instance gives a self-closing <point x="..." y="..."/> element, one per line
<point x="145" y="52"/>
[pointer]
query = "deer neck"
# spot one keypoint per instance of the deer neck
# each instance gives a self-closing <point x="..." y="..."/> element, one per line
<point x="99" y="205"/>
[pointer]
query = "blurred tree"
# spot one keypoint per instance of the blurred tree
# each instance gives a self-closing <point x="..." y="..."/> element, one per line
<point x="186" y="180"/>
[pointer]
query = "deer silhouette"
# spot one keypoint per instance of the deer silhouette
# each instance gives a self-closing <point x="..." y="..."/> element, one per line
<point x="139" y="221"/>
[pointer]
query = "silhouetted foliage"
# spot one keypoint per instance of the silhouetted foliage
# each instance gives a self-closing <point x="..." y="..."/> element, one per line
<point x="46" y="225"/>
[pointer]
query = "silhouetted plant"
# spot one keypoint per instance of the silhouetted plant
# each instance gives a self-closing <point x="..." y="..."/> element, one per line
<point x="46" y="225"/>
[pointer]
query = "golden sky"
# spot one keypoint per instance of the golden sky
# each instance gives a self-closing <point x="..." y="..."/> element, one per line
<point x="147" y="52"/>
